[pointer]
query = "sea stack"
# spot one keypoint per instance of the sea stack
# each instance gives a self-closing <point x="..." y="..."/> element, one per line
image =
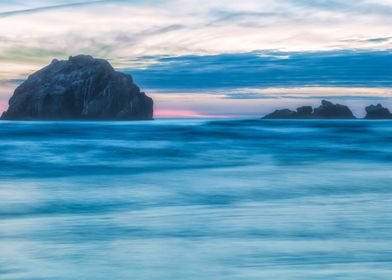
<point x="327" y="110"/>
<point x="80" y="88"/>
<point x="374" y="112"/>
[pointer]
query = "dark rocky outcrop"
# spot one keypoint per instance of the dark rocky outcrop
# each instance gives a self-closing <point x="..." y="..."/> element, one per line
<point x="79" y="88"/>
<point x="377" y="112"/>
<point x="304" y="112"/>
<point x="327" y="110"/>
<point x="282" y="114"/>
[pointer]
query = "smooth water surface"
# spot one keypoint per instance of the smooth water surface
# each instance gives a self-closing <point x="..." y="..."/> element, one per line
<point x="196" y="199"/>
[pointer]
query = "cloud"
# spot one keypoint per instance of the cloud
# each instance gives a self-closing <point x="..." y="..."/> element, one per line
<point x="48" y="8"/>
<point x="125" y="30"/>
<point x="379" y="40"/>
<point x="6" y="88"/>
<point x="268" y="69"/>
<point x="314" y="93"/>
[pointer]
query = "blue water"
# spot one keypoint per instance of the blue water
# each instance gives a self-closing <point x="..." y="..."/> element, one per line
<point x="196" y="199"/>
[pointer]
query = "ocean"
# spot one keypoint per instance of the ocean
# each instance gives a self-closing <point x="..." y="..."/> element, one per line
<point x="196" y="199"/>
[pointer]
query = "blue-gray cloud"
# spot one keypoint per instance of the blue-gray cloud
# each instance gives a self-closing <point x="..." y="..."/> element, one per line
<point x="31" y="8"/>
<point x="379" y="40"/>
<point x="269" y="69"/>
<point x="303" y="96"/>
<point x="364" y="7"/>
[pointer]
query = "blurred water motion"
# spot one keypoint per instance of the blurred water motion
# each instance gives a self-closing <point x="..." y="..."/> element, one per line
<point x="196" y="199"/>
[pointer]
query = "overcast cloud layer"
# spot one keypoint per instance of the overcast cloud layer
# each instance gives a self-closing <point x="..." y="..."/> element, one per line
<point x="35" y="31"/>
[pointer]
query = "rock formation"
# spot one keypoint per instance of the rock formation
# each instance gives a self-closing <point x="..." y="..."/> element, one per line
<point x="327" y="110"/>
<point x="304" y="112"/>
<point x="377" y="112"/>
<point x="81" y="88"/>
<point x="282" y="114"/>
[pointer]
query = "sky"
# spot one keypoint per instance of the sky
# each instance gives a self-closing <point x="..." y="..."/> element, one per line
<point x="224" y="58"/>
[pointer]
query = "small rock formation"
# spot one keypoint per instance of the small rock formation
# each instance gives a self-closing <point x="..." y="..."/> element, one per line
<point x="304" y="112"/>
<point x="327" y="110"/>
<point x="282" y="114"/>
<point x="81" y="88"/>
<point x="377" y="112"/>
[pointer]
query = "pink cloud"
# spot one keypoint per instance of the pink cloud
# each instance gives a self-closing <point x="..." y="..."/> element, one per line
<point x="3" y="106"/>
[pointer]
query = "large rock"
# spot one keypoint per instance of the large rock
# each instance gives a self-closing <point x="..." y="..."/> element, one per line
<point x="79" y="88"/>
<point x="377" y="112"/>
<point x="327" y="110"/>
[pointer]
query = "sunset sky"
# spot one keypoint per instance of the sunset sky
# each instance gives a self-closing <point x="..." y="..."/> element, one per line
<point x="224" y="58"/>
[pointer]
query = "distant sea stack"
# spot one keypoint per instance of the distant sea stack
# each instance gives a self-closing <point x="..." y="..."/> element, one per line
<point x="327" y="110"/>
<point x="377" y="112"/>
<point x="81" y="88"/>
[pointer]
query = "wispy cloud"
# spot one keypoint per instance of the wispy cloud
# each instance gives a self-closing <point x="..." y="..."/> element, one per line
<point x="269" y="69"/>
<point x="121" y="29"/>
<point x="49" y="8"/>
<point x="314" y="93"/>
<point x="379" y="40"/>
